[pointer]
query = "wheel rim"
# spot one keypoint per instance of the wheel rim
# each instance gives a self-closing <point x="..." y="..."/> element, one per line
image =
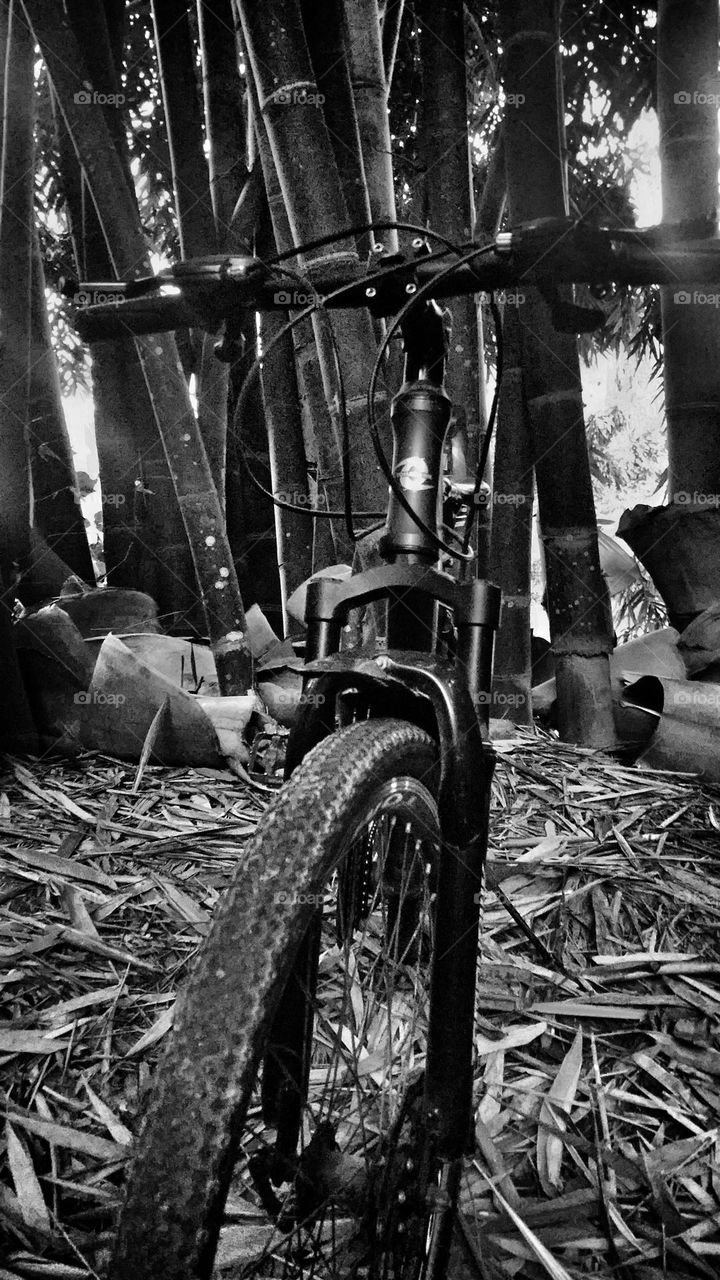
<point x="356" y="1200"/>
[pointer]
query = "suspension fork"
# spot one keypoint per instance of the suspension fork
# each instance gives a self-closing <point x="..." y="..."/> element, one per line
<point x="420" y="415"/>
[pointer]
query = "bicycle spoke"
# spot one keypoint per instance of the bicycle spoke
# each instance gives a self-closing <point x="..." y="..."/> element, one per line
<point x="369" y="1041"/>
<point x="306" y="1098"/>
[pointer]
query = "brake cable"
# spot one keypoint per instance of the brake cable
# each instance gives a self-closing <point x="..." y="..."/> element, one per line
<point x="487" y="439"/>
<point x="319" y="307"/>
<point x="420" y="293"/>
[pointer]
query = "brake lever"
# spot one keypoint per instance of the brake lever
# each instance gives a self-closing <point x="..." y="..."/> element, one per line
<point x="229" y="346"/>
<point x="85" y="293"/>
<point x="568" y="317"/>
<point x="195" y="273"/>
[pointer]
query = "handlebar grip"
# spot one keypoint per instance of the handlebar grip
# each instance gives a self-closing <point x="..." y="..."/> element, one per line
<point x="136" y="316"/>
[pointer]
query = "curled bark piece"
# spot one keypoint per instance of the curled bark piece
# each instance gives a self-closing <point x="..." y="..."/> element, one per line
<point x="687" y="737"/>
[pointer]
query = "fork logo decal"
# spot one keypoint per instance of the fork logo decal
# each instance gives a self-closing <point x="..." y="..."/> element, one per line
<point x="413" y="474"/>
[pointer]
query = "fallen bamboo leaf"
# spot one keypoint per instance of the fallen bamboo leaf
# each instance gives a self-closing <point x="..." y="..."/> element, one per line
<point x="80" y="918"/>
<point x="56" y="866"/>
<point x="12" y="1221"/>
<point x="47" y="1270"/>
<point x="73" y="938"/>
<point x="61" y="1135"/>
<point x="639" y="959"/>
<point x="156" y="724"/>
<point x="183" y="903"/>
<point x="511" y="1038"/>
<point x="194" y="822"/>
<point x="156" y="1032"/>
<point x="556" y="1104"/>
<point x="683" y="1154"/>
<point x="553" y="1268"/>
<point x="493" y="1081"/>
<point x="61" y="1011"/>
<point x="115" y="1127"/>
<point x="494" y="1161"/>
<point x="673" y="1223"/>
<point x="581" y="1009"/>
<point x="27" y="1188"/>
<point x="707" y="1060"/>
<point x="29" y="1042"/>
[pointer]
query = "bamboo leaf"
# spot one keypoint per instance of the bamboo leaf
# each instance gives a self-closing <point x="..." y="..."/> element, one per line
<point x="62" y="1135"/>
<point x="156" y="1032"/>
<point x="512" y="1039"/>
<point x="27" y="1188"/>
<point x="80" y="918"/>
<point x="151" y="737"/>
<point x="558" y="1099"/>
<point x="493" y="1081"/>
<point x="583" y="1009"/>
<point x="115" y="1127"/>
<point x="57" y="866"/>
<point x="554" y="1268"/>
<point x="29" y="1042"/>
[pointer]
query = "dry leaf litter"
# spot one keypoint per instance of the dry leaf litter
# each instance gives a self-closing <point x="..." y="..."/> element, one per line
<point x="598" y="1038"/>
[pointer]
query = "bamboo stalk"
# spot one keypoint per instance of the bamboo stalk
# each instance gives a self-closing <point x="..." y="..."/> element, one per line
<point x="197" y="227"/>
<point x="319" y="440"/>
<point x="391" y="25"/>
<point x="57" y="511"/>
<point x="16" y="219"/>
<point x="448" y="208"/>
<point x="184" y="124"/>
<point x="688" y="35"/>
<point x="327" y="43"/>
<point x="288" y="465"/>
<point x="580" y="619"/>
<point x="370" y="90"/>
<point x="176" y="422"/>
<point x="222" y="92"/>
<point x="313" y="196"/>
<point x="140" y="513"/>
<point x="512" y="535"/>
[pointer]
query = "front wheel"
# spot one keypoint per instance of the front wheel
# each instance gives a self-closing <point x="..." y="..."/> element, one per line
<point x="287" y="1132"/>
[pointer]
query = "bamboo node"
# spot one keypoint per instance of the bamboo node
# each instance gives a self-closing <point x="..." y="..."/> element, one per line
<point x="555" y="397"/>
<point x="577" y="537"/>
<point x="287" y="94"/>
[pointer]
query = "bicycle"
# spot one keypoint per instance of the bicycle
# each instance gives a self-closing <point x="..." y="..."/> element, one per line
<point x="316" y="1082"/>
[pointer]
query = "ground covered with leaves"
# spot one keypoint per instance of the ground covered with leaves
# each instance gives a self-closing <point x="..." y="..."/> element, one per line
<point x="598" y="1035"/>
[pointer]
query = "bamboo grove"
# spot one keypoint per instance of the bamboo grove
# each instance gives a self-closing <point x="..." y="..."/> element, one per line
<point x="137" y="131"/>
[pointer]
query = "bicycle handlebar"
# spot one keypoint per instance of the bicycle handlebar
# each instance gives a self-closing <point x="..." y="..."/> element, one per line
<point x="206" y="292"/>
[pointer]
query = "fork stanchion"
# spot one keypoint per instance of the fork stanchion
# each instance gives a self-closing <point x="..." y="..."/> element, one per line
<point x="477" y="615"/>
<point x="324" y="626"/>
